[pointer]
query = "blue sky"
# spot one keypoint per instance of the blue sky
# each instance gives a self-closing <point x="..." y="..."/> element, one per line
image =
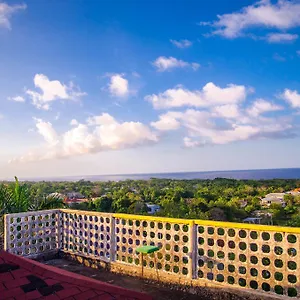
<point x="106" y="87"/>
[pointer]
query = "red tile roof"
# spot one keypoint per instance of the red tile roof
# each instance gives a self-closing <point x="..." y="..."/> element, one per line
<point x="22" y="278"/>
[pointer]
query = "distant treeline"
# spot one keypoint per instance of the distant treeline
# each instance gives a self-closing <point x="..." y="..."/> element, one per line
<point x="218" y="199"/>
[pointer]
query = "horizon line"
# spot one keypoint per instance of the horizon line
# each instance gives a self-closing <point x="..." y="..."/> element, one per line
<point x="50" y="178"/>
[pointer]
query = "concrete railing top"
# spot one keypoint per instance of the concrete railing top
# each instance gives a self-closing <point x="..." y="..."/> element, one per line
<point x="258" y="258"/>
<point x="224" y="224"/>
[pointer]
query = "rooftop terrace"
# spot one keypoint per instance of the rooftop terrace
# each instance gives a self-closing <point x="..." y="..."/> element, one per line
<point x="216" y="260"/>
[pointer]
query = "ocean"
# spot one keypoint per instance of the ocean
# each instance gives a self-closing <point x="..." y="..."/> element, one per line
<point x="237" y="174"/>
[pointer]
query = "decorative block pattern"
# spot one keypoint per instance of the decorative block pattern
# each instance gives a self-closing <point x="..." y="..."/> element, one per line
<point x="32" y="233"/>
<point x="173" y="239"/>
<point x="245" y="256"/>
<point x="87" y="233"/>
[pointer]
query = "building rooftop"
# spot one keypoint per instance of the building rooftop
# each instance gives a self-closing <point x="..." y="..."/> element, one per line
<point x="22" y="278"/>
<point x="275" y="195"/>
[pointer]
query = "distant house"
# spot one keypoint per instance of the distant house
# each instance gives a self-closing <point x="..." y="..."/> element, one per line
<point x="69" y="198"/>
<point x="264" y="216"/>
<point x="56" y="195"/>
<point x="273" y="198"/>
<point x="152" y="208"/>
<point x="251" y="220"/>
<point x="74" y="195"/>
<point x="74" y="198"/>
<point x="71" y="202"/>
<point x="295" y="192"/>
<point x="261" y="213"/>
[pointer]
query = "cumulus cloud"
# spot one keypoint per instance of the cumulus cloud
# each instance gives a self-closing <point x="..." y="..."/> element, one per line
<point x="17" y="99"/>
<point x="281" y="37"/>
<point x="52" y="90"/>
<point x="282" y="15"/>
<point x="190" y="143"/>
<point x="227" y="111"/>
<point x="99" y="134"/>
<point x="167" y="122"/>
<point x="292" y="97"/>
<point x="163" y="64"/>
<point x="46" y="130"/>
<point x="261" y="106"/>
<point x="209" y="95"/>
<point x="104" y="119"/>
<point x="206" y="128"/>
<point x="118" y="86"/>
<point x="182" y="43"/>
<point x="7" y="11"/>
<point x="202" y="129"/>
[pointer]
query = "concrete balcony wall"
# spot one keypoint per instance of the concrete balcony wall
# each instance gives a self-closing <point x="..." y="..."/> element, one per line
<point x="251" y="258"/>
<point x="32" y="233"/>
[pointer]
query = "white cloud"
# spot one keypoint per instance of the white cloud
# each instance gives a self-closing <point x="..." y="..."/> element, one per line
<point x="281" y="37"/>
<point x="209" y="95"/>
<point x="163" y="63"/>
<point x="190" y="143"/>
<point x="74" y="122"/>
<point x="52" y="91"/>
<point x="261" y="106"/>
<point x="202" y="129"/>
<point x="46" y="130"/>
<point x="99" y="134"/>
<point x="6" y="12"/>
<point x="118" y="86"/>
<point x="298" y="52"/>
<point x="182" y="43"/>
<point x="292" y="97"/>
<point x="282" y="15"/>
<point x="227" y="111"/>
<point x="167" y="122"/>
<point x="104" y="119"/>
<point x="17" y="99"/>
<point x="224" y="124"/>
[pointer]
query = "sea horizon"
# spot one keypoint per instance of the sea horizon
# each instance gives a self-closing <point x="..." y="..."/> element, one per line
<point x="246" y="174"/>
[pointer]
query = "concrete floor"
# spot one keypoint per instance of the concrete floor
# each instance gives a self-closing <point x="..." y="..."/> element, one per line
<point x="156" y="290"/>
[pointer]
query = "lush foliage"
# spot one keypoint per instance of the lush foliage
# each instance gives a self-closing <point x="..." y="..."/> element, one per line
<point x="16" y="197"/>
<point x="219" y="199"/>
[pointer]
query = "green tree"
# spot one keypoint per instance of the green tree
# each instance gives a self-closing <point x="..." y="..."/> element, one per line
<point x="46" y="202"/>
<point x="103" y="203"/>
<point x="16" y="197"/>
<point x="289" y="199"/>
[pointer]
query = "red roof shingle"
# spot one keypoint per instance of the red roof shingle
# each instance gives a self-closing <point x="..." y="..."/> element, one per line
<point x="22" y="278"/>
